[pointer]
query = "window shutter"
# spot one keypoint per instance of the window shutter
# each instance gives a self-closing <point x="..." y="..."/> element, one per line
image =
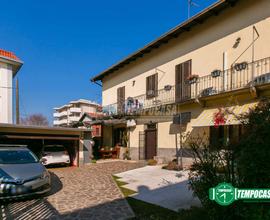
<point x="177" y="83"/>
<point x="151" y="86"/>
<point x="121" y="99"/>
<point x="147" y="85"/>
<point x="155" y="84"/>
<point x="182" y="88"/>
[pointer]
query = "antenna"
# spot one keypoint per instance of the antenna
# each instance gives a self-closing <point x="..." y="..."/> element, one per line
<point x="190" y="4"/>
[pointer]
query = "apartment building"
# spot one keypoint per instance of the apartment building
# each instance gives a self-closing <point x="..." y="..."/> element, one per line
<point x="10" y="64"/>
<point x="169" y="91"/>
<point x="69" y="114"/>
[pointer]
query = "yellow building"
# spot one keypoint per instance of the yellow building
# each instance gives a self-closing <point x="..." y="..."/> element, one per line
<point x="219" y="58"/>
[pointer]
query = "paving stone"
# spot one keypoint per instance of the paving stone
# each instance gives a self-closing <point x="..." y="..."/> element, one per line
<point x="87" y="192"/>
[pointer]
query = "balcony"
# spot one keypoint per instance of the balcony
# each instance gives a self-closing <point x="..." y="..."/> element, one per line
<point x="60" y="114"/>
<point x="240" y="76"/>
<point x="74" y="118"/>
<point x="60" y="122"/>
<point x="75" y="110"/>
<point x="56" y="115"/>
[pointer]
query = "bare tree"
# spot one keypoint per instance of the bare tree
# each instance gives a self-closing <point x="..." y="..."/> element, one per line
<point x="35" y="119"/>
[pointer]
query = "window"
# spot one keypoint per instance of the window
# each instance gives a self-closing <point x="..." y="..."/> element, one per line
<point x="219" y="136"/>
<point x="17" y="157"/>
<point x="152" y="86"/>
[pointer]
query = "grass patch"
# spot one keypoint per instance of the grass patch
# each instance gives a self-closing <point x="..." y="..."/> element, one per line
<point x="126" y="192"/>
<point x="144" y="210"/>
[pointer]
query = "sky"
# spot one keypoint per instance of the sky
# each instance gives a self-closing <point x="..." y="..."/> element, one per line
<point x="64" y="43"/>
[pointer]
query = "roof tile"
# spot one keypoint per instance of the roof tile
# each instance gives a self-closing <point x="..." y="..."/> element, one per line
<point x="8" y="54"/>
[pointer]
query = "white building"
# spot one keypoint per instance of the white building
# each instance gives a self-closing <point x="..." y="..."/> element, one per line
<point x="9" y="66"/>
<point x="71" y="113"/>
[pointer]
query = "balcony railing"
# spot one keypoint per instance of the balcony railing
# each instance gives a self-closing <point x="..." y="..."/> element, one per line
<point x="75" y="110"/>
<point x="238" y="77"/>
<point x="60" y="114"/>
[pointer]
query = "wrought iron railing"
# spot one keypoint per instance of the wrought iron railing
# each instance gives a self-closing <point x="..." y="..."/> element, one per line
<point x="239" y="76"/>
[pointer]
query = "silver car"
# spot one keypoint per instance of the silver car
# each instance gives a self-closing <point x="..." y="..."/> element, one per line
<point x="21" y="173"/>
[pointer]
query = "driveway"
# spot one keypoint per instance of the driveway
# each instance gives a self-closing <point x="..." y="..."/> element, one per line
<point x="165" y="188"/>
<point x="88" y="192"/>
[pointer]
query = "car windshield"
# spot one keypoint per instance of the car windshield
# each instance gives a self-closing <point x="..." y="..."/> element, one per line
<point x="17" y="157"/>
<point x="54" y="148"/>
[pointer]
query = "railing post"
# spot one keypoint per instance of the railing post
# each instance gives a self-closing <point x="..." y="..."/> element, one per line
<point x="196" y="89"/>
<point x="252" y="71"/>
<point x="231" y="80"/>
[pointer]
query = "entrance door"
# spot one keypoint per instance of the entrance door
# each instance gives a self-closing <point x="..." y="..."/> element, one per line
<point x="150" y="143"/>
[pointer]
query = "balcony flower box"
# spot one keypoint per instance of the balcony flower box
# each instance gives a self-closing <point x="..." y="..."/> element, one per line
<point x="216" y="73"/>
<point x="192" y="79"/>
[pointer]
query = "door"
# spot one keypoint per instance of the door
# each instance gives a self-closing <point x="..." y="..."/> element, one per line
<point x="182" y="87"/>
<point x="150" y="143"/>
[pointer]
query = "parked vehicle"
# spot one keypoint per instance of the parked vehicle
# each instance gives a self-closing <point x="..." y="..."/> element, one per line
<point x="21" y="173"/>
<point x="55" y="154"/>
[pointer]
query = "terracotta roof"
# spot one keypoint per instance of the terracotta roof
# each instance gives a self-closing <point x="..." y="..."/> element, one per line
<point x="198" y="19"/>
<point x="9" y="55"/>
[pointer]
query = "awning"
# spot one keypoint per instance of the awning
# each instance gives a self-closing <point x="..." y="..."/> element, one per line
<point x="205" y="119"/>
<point x="109" y="122"/>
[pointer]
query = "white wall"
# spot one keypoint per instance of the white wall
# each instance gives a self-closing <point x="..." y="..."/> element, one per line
<point x="5" y="93"/>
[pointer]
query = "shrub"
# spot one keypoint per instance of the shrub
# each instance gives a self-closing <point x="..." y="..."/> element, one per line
<point x="245" y="165"/>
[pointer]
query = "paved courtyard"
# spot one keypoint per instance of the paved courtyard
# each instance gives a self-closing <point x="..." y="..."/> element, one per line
<point x="165" y="188"/>
<point x="88" y="192"/>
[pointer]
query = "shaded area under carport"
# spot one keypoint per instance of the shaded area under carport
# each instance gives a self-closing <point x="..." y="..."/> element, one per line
<point x="76" y="141"/>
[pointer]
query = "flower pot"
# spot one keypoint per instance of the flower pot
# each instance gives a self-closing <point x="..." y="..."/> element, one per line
<point x="216" y="73"/>
<point x="192" y="81"/>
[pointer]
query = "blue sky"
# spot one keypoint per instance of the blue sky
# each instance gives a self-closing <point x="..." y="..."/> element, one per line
<point x="63" y="43"/>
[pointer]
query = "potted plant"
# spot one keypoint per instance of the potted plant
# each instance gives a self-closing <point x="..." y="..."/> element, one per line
<point x="192" y="79"/>
<point x="216" y="73"/>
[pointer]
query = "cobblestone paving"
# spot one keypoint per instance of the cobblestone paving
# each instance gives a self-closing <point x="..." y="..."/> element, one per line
<point x="88" y="192"/>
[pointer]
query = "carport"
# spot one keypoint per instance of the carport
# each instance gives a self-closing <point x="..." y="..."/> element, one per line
<point x="76" y="141"/>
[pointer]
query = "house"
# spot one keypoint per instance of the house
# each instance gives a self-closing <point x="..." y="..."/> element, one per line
<point x="86" y="121"/>
<point x="10" y="64"/>
<point x="69" y="114"/>
<point x="170" y="91"/>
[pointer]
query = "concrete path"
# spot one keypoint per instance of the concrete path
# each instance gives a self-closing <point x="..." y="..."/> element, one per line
<point x="87" y="192"/>
<point x="162" y="187"/>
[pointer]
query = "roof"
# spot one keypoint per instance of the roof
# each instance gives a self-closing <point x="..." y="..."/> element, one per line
<point x="198" y="19"/>
<point x="9" y="55"/>
<point x="91" y="115"/>
<point x="11" y="58"/>
<point x="44" y="129"/>
<point x="83" y="101"/>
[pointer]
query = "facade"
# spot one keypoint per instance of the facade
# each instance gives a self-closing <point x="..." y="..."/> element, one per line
<point x="174" y="86"/>
<point x="9" y="66"/>
<point x="69" y="114"/>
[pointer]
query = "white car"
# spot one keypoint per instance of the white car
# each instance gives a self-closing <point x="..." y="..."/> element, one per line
<point x="55" y="154"/>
